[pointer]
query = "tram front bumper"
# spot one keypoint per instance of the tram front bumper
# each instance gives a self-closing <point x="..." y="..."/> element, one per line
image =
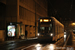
<point x="45" y="38"/>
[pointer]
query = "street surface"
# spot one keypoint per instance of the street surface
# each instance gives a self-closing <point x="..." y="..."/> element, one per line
<point x="29" y="45"/>
<point x="34" y="44"/>
<point x="13" y="45"/>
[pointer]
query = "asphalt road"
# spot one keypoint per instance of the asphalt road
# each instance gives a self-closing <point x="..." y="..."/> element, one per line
<point x="43" y="46"/>
<point x="14" y="45"/>
<point x="32" y="45"/>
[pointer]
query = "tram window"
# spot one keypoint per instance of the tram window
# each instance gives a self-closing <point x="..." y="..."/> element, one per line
<point x="49" y="28"/>
<point x="42" y="28"/>
<point x="50" y="25"/>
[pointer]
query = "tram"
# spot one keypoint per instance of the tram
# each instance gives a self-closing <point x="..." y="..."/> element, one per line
<point x="50" y="29"/>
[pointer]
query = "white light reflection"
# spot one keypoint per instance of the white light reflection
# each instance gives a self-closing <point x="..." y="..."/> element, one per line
<point x="51" y="47"/>
<point x="38" y="46"/>
<point x="64" y="38"/>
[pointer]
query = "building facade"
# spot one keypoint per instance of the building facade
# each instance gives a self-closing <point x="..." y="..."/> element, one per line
<point x="24" y="14"/>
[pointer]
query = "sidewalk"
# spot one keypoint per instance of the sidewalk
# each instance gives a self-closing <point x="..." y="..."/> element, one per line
<point x="17" y="40"/>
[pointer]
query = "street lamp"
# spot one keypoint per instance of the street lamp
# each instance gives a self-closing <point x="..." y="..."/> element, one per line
<point x="73" y="23"/>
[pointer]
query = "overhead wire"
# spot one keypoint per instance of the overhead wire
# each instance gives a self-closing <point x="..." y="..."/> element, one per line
<point x="71" y="8"/>
<point x="55" y="10"/>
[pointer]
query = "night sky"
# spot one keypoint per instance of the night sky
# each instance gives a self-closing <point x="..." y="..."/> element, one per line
<point x="62" y="9"/>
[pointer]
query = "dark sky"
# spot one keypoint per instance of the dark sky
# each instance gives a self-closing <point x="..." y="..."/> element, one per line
<point x="64" y="8"/>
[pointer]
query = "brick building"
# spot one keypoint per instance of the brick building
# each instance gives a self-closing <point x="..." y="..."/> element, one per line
<point x="23" y="13"/>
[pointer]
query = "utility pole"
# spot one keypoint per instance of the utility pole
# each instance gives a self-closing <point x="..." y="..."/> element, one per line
<point x="35" y="18"/>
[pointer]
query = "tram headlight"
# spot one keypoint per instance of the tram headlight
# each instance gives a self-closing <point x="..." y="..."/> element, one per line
<point x="51" y="34"/>
<point x="38" y="34"/>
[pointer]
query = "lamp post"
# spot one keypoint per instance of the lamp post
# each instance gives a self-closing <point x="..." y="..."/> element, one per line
<point x="73" y="27"/>
<point x="35" y="18"/>
<point x="73" y="24"/>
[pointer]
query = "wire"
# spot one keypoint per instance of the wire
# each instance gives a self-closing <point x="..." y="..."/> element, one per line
<point x="71" y="6"/>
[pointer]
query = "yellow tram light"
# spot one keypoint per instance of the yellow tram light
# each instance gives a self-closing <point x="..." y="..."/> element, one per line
<point x="40" y="20"/>
<point x="46" y="20"/>
<point x="73" y="23"/>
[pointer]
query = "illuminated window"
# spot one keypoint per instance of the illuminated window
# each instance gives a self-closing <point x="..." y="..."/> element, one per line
<point x="50" y="25"/>
<point x="49" y="28"/>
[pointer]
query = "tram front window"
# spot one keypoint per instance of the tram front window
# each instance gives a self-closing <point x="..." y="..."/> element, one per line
<point x="45" y="28"/>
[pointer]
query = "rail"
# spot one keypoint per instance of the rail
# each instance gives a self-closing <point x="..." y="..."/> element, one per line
<point x="66" y="41"/>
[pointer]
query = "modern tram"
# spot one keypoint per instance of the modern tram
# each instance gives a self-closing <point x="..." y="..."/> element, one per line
<point x="50" y="29"/>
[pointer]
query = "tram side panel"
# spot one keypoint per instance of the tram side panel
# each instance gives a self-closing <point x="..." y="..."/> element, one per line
<point x="57" y="29"/>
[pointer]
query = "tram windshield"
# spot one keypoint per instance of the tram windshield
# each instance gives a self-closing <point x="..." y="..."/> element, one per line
<point x="45" y="28"/>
